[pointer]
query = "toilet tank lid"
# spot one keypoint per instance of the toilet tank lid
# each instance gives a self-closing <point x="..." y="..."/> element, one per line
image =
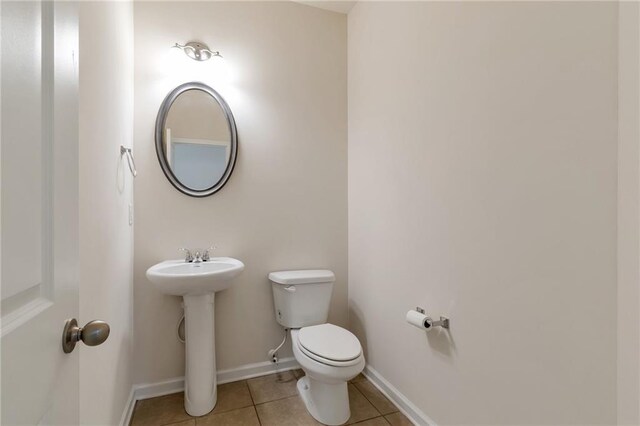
<point x="308" y="276"/>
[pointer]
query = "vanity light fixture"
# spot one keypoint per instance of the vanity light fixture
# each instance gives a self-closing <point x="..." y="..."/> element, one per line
<point x="197" y="51"/>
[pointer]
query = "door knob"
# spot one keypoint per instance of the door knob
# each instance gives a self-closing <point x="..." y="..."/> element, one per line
<point x="92" y="334"/>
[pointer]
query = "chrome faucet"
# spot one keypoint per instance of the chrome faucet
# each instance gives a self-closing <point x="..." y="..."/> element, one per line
<point x="196" y="256"/>
<point x="206" y="256"/>
<point x="188" y="257"/>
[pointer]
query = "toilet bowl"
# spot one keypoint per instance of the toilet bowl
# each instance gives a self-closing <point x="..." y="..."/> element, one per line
<point x="329" y="355"/>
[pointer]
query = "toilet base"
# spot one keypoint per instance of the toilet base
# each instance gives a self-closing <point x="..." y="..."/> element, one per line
<point x="327" y="403"/>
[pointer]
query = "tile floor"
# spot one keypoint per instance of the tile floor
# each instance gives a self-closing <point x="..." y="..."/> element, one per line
<point x="265" y="401"/>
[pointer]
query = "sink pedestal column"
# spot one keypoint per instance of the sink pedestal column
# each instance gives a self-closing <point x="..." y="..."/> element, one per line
<point x="200" y="391"/>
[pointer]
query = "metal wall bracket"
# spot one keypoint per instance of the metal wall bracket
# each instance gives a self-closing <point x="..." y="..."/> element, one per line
<point x="443" y="322"/>
<point x="429" y="322"/>
<point x="130" y="161"/>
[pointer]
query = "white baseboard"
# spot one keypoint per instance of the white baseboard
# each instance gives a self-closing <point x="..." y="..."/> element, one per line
<point x="128" y="409"/>
<point x="151" y="390"/>
<point x="257" y="369"/>
<point x="407" y="408"/>
<point x="166" y="387"/>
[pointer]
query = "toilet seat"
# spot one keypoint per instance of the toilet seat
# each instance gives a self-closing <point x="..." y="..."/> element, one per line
<point x="330" y="345"/>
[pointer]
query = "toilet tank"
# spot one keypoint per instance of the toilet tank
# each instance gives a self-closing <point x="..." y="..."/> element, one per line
<point x="302" y="298"/>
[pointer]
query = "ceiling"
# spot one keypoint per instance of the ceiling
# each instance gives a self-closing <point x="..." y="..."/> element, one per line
<point x="335" y="6"/>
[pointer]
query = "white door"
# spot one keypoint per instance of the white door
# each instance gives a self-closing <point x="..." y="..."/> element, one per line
<point x="38" y="211"/>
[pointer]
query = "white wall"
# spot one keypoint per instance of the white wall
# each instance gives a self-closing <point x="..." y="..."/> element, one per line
<point x="482" y="185"/>
<point x="284" y="207"/>
<point x="106" y="190"/>
<point x="628" y="215"/>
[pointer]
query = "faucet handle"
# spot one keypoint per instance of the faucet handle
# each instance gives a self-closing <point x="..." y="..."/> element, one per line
<point x="188" y="256"/>
<point x="207" y="255"/>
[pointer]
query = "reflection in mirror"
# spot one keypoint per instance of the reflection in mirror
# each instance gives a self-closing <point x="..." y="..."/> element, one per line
<point x="197" y="141"/>
<point x="197" y="146"/>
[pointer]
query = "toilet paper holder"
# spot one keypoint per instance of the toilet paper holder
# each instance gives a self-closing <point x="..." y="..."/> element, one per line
<point x="430" y="323"/>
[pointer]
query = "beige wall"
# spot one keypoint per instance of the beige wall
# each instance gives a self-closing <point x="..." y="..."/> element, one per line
<point x="285" y="204"/>
<point x="482" y="185"/>
<point x="106" y="190"/>
<point x="628" y="215"/>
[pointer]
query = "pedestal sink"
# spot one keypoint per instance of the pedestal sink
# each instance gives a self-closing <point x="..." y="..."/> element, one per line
<point x="197" y="283"/>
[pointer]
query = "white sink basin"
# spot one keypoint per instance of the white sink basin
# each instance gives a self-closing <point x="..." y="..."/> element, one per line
<point x="197" y="283"/>
<point x="179" y="278"/>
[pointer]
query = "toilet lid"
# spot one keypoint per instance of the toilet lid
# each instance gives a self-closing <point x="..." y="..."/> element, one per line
<point x="330" y="342"/>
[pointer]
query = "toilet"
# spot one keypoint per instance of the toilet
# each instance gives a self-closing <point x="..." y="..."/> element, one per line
<point x="329" y="355"/>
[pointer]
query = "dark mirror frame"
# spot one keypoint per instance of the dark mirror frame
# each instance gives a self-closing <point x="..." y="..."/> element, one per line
<point x="161" y="121"/>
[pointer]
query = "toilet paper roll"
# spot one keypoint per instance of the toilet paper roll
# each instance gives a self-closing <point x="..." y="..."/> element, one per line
<point x="417" y="319"/>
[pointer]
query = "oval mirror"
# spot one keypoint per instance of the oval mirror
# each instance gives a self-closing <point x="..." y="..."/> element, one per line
<point x="196" y="139"/>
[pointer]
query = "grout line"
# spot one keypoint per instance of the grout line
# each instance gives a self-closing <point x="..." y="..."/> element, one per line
<point x="371" y="402"/>
<point x="397" y="412"/>
<point x="257" y="415"/>
<point x="365" y="397"/>
<point x="253" y="401"/>
<point x="373" y="418"/>
<point x="272" y="400"/>
<point x="181" y="421"/>
<point x="211" y="413"/>
<point x="278" y="399"/>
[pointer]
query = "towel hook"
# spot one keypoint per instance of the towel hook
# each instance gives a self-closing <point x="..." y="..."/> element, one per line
<point x="130" y="161"/>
